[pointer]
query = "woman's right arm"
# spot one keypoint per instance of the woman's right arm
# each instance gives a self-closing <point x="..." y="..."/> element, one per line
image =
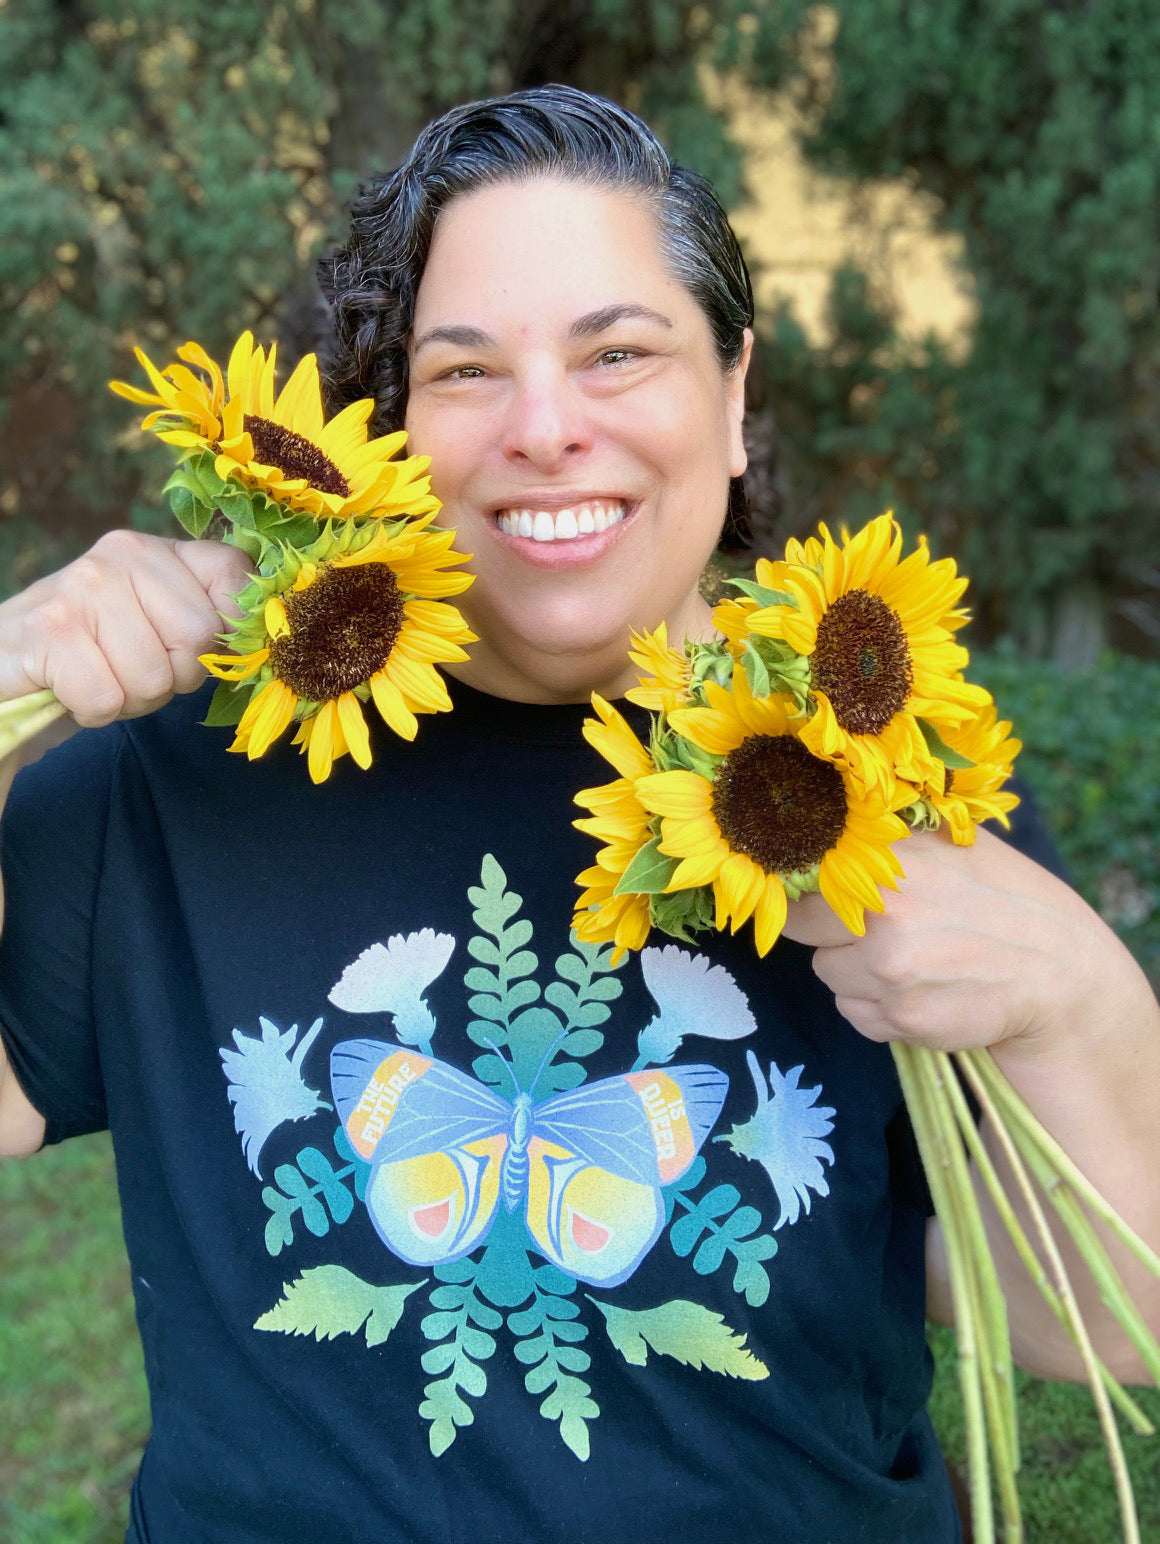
<point x="114" y="635"/>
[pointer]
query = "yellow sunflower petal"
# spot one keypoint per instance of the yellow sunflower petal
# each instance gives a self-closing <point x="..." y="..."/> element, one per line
<point x="354" y="729"/>
<point x="389" y="701"/>
<point x="266" y="717"/>
<point x="681" y="794"/>
<point x="769" y="914"/>
<point x="323" y="736"/>
<point x="234" y="667"/>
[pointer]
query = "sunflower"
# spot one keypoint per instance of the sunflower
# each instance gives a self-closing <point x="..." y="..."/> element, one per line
<point x="667" y="686"/>
<point x="621" y="822"/>
<point x="731" y="615"/>
<point x="281" y="445"/>
<point x="772" y="820"/>
<point x="358" y="616"/>
<point x="974" y="793"/>
<point x="878" y="632"/>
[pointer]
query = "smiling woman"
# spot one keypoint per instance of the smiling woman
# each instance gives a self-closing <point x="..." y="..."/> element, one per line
<point x="517" y="1240"/>
<point x="561" y="319"/>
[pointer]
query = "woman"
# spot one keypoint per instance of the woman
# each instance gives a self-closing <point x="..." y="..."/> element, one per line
<point x="645" y="1246"/>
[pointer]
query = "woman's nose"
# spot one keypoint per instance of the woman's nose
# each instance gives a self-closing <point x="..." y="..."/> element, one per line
<point x="547" y="422"/>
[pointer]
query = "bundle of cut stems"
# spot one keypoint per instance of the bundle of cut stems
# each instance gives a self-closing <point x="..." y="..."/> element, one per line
<point x="948" y="1137"/>
<point x="23" y="718"/>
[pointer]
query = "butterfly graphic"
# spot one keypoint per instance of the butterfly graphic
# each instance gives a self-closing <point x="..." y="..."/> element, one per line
<point x="587" y="1164"/>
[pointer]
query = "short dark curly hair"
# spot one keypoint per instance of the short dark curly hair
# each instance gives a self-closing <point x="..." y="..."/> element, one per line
<point x="371" y="284"/>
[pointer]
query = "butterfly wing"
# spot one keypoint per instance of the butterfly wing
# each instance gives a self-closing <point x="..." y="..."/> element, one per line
<point x="598" y="1156"/>
<point x="435" y="1139"/>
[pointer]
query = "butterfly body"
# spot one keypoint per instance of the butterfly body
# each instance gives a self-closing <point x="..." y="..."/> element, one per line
<point x="588" y="1164"/>
<point x="514" y="1178"/>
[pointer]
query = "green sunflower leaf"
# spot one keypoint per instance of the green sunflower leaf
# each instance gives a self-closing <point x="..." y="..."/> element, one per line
<point x="755" y="671"/>
<point x="937" y="746"/>
<point x="203" y="469"/>
<point x="683" y="913"/>
<point x="648" y="873"/>
<point x="226" y="707"/>
<point x="691" y="758"/>
<point x="762" y="594"/>
<point x="190" y="513"/>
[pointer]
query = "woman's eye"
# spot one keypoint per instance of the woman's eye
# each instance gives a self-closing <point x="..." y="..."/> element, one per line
<point x="462" y="373"/>
<point x="617" y="356"/>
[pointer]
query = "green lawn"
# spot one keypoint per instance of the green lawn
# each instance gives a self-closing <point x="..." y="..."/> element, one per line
<point x="73" y="1397"/>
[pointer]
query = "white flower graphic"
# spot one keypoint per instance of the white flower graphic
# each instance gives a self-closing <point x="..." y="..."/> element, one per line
<point x="392" y="977"/>
<point x="694" y="998"/>
<point x="784" y="1136"/>
<point x="266" y="1084"/>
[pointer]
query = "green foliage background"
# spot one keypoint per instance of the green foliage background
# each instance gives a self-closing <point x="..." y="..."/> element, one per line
<point x="170" y="173"/>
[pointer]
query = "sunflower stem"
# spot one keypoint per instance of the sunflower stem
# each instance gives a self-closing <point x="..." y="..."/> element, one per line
<point x="987" y="1307"/>
<point x="970" y="1381"/>
<point x="1031" y="1261"/>
<point x="975" y="1067"/>
<point x="22" y="718"/>
<point x="944" y="1086"/>
<point x="1113" y="1294"/>
<point x="1022" y="1119"/>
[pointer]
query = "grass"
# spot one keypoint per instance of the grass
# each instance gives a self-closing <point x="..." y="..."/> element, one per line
<point x="72" y="1387"/>
<point x="72" y="1390"/>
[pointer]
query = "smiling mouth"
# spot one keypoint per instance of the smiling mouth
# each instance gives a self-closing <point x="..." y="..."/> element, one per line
<point x="586" y="519"/>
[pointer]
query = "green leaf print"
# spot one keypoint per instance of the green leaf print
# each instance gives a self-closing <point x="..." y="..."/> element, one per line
<point x="688" y="1332"/>
<point x="330" y="1300"/>
<point x="303" y="1190"/>
<point x="715" y="1226"/>
<point x="461" y="1322"/>
<point x="501" y="993"/>
<point x="506" y="1001"/>
<point x="547" y="1334"/>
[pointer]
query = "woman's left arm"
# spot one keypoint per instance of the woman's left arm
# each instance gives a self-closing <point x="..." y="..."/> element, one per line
<point x="982" y="947"/>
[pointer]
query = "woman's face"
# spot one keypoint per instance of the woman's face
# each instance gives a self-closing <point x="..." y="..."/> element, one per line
<point x="581" y="430"/>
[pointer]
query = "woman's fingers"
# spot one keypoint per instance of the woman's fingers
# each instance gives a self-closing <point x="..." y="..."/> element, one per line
<point x="116" y="633"/>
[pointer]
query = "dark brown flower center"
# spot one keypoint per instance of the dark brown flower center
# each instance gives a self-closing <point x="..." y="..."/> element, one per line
<point x="342" y="630"/>
<point x="294" y="455"/>
<point x="950" y="782"/>
<point x="779" y="805"/>
<point x="862" y="663"/>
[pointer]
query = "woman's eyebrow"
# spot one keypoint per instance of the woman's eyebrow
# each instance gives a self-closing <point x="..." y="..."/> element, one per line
<point x="462" y="337"/>
<point x="594" y="322"/>
<point x="586" y="326"/>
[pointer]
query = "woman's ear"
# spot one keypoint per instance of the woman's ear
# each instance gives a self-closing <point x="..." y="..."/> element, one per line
<point x="735" y="406"/>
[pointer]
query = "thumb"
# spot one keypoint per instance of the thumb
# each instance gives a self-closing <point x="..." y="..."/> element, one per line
<point x="221" y="570"/>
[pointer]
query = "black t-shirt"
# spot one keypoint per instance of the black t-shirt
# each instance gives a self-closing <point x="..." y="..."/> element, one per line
<point x="442" y="1230"/>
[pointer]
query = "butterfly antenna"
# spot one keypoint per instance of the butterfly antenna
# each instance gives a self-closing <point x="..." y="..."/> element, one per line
<point x="548" y="1054"/>
<point x="507" y="1066"/>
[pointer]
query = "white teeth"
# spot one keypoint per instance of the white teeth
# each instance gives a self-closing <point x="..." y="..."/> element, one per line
<point x="562" y="524"/>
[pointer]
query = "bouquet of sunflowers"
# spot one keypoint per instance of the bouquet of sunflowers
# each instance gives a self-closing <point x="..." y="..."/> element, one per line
<point x="829" y="720"/>
<point x="348" y="603"/>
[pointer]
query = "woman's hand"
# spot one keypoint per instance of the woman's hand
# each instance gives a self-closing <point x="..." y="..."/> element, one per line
<point x="117" y="633"/>
<point x="978" y="946"/>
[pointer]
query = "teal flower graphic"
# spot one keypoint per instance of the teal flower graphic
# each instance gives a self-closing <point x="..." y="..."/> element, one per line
<point x="784" y="1136"/>
<point x="692" y="998"/>
<point x="266" y="1086"/>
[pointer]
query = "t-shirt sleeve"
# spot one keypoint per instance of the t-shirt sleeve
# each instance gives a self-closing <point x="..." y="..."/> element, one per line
<point x="51" y="848"/>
